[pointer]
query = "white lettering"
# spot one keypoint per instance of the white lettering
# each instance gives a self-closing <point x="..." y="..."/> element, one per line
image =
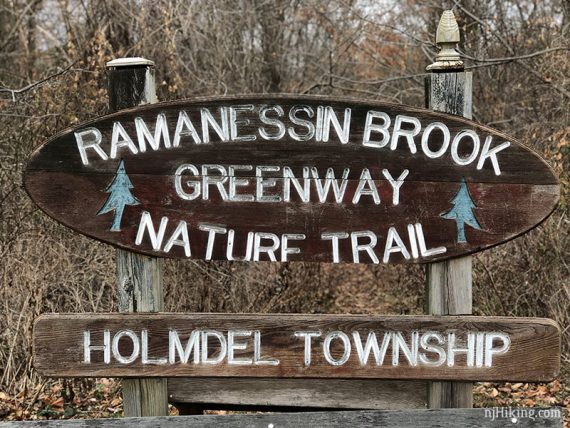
<point x="399" y="247"/>
<point x="369" y="247"/>
<point x="323" y="189"/>
<point x="89" y="138"/>
<point x="230" y="247"/>
<point x="301" y="122"/>
<point x="422" y="243"/>
<point x="264" y="182"/>
<point x="175" y="346"/>
<point x="408" y="134"/>
<point x="136" y="346"/>
<point x="258" y="248"/>
<point x="208" y="120"/>
<point x="334" y="237"/>
<point x="413" y="241"/>
<point x="160" y="132"/>
<point x="455" y="147"/>
<point x="218" y="181"/>
<point x="193" y="184"/>
<point x="106" y="347"/>
<point x="428" y="347"/>
<point x="185" y="122"/>
<point x="147" y="224"/>
<point x="234" y="182"/>
<point x="371" y="345"/>
<point x="257" y="358"/>
<point x="307" y="335"/>
<point x="182" y="232"/>
<point x="490" y="350"/>
<point x="425" y="140"/>
<point x="366" y="180"/>
<point x="217" y="359"/>
<point x="331" y="118"/>
<point x="488" y="153"/>
<point x="144" y="358"/>
<point x="303" y="191"/>
<point x="212" y="231"/>
<point x="285" y="249"/>
<point x="396" y="184"/>
<point x="411" y="352"/>
<point x="234" y="346"/>
<point x="234" y="122"/>
<point x="372" y="127"/>
<point x="327" y="348"/>
<point x="119" y="139"/>
<point x="274" y="122"/>
<point x="452" y="349"/>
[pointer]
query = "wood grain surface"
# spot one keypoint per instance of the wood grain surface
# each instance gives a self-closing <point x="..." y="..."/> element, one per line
<point x="449" y="283"/>
<point x="219" y="393"/>
<point x="432" y="418"/>
<point x="463" y="207"/>
<point x="59" y="349"/>
<point x="139" y="278"/>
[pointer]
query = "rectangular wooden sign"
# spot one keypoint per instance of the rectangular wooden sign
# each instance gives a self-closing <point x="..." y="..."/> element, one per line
<point x="285" y="178"/>
<point x="297" y="346"/>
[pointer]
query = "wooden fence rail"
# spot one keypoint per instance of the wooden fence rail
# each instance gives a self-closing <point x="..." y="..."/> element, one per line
<point x="468" y="418"/>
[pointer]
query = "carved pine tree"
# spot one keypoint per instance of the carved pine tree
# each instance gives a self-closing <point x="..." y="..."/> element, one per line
<point x="462" y="211"/>
<point x="120" y="196"/>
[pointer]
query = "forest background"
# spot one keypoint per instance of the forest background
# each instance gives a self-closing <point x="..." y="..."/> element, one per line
<point x="52" y="75"/>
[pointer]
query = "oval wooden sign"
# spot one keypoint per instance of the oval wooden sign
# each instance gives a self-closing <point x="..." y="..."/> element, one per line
<point x="291" y="178"/>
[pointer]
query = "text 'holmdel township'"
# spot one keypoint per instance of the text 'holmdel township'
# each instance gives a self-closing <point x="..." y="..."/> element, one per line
<point x="336" y="348"/>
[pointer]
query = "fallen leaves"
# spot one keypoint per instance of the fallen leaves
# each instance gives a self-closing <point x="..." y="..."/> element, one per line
<point x="102" y="399"/>
<point x="80" y="399"/>
<point x="63" y="400"/>
<point x="555" y="393"/>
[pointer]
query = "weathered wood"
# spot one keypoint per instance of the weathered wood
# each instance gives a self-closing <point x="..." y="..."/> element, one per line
<point x="458" y="418"/>
<point x="450" y="287"/>
<point x="449" y="283"/>
<point x="216" y="393"/>
<point x="511" y="192"/>
<point x="139" y="278"/>
<point x="303" y="346"/>
<point x="450" y="293"/>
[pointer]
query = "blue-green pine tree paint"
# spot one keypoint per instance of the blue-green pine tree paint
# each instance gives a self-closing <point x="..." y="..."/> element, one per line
<point x="120" y="195"/>
<point x="462" y="211"/>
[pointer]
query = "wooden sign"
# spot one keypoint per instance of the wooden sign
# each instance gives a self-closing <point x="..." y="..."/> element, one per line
<point x="291" y="178"/>
<point x="303" y="346"/>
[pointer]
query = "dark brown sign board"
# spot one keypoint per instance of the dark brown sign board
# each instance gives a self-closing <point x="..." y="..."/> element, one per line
<point x="297" y="346"/>
<point x="291" y="178"/>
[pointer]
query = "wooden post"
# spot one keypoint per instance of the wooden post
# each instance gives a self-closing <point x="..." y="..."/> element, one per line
<point x="448" y="284"/>
<point x="139" y="278"/>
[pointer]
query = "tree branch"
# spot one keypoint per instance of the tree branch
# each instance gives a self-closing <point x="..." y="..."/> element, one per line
<point x="512" y="52"/>
<point x="515" y="58"/>
<point x="13" y="92"/>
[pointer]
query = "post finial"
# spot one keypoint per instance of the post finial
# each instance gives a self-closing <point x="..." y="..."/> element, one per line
<point x="129" y="62"/>
<point x="447" y="38"/>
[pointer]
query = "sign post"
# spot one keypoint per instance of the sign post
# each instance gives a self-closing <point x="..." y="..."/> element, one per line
<point x="139" y="277"/>
<point x="449" y="283"/>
